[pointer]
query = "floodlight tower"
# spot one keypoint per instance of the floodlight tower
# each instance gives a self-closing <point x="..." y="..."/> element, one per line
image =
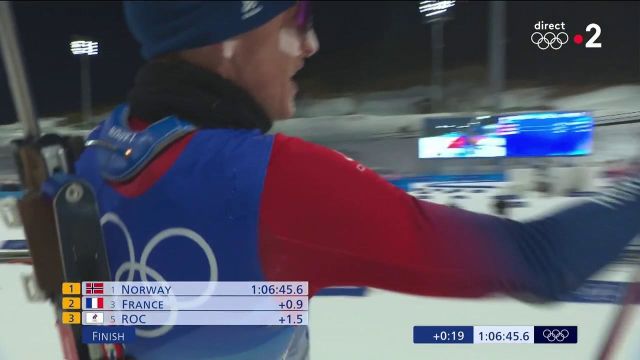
<point x="436" y="13"/>
<point x="84" y="47"/>
<point x="497" y="44"/>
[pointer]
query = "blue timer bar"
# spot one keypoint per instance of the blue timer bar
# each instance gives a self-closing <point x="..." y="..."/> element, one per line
<point x="443" y="334"/>
<point x="495" y="334"/>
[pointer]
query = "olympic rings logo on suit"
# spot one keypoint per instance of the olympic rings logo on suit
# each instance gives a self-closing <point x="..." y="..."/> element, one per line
<point x="132" y="266"/>
<point x="555" y="335"/>
<point x="549" y="40"/>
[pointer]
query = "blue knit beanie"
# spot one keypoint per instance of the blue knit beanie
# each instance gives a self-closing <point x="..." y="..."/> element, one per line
<point x="165" y="26"/>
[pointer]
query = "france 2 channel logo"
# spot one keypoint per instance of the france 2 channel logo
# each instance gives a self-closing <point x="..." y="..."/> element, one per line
<point x="552" y="36"/>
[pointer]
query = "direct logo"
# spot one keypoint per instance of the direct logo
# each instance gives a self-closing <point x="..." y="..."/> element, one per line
<point x="555" y="335"/>
<point x="555" y="36"/>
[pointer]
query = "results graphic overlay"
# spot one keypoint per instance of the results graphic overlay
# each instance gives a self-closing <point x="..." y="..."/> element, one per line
<point x="495" y="334"/>
<point x="195" y="303"/>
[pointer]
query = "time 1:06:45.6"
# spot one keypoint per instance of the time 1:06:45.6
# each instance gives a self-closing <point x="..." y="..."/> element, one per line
<point x="277" y="290"/>
<point x="504" y="336"/>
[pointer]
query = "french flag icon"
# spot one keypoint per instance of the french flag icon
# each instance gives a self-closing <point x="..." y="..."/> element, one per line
<point x="94" y="303"/>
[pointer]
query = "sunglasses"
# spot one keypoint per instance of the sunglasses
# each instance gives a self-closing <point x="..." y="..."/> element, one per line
<point x="304" y="18"/>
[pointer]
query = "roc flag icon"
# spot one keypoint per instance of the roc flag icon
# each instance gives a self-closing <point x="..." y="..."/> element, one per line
<point x="94" y="288"/>
<point x="94" y="303"/>
<point x="93" y="318"/>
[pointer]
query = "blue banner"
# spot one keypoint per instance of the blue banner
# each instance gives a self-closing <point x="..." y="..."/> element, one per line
<point x="443" y="334"/>
<point x="555" y="334"/>
<point x="108" y="334"/>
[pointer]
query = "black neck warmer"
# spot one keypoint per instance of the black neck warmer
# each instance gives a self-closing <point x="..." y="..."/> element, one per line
<point x="173" y="87"/>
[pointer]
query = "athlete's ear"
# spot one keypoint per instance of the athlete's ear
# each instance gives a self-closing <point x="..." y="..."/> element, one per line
<point x="211" y="57"/>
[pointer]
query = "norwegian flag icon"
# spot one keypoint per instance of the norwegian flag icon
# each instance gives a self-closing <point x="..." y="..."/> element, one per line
<point x="94" y="288"/>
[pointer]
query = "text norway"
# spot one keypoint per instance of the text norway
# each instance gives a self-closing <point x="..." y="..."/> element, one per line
<point x="145" y="290"/>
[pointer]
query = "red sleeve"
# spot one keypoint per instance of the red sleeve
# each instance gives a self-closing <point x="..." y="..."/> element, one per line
<point x="329" y="220"/>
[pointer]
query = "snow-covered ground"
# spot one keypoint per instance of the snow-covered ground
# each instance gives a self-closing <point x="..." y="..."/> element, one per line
<point x="465" y="97"/>
<point x="388" y="111"/>
<point x="604" y="102"/>
<point x="621" y="101"/>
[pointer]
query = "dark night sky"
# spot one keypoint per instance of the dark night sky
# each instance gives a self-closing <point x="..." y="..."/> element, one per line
<point x="367" y="39"/>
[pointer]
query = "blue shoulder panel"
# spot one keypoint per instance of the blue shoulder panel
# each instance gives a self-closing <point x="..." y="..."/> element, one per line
<point x="123" y="153"/>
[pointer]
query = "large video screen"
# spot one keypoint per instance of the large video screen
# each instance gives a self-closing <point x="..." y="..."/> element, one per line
<point x="461" y="137"/>
<point x="540" y="134"/>
<point x="547" y="134"/>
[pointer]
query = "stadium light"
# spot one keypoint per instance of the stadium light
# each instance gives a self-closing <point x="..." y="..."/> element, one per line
<point x="433" y="13"/>
<point x="432" y="8"/>
<point x="84" y="48"/>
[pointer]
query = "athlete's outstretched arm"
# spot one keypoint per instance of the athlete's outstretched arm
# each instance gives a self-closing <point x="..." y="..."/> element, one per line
<point x="327" y="219"/>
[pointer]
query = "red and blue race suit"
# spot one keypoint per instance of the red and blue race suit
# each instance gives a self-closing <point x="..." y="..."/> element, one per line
<point x="239" y="205"/>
